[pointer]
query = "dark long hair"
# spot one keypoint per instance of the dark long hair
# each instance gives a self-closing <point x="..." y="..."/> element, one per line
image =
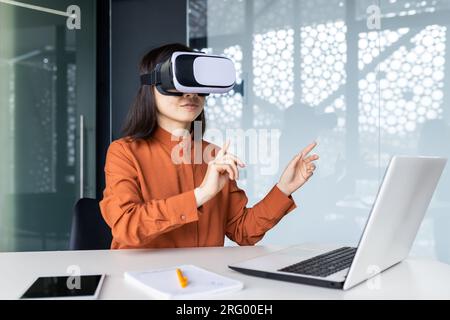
<point x="141" y="119"/>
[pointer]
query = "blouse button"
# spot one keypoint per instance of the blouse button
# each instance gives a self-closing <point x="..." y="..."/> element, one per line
<point x="183" y="217"/>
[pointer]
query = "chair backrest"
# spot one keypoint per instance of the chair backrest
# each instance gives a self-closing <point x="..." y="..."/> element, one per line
<point x="89" y="229"/>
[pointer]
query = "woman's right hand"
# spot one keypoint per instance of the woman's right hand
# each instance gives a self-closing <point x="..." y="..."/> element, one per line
<point x="223" y="167"/>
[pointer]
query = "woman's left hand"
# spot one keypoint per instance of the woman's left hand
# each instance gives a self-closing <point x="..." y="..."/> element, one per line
<point x="298" y="171"/>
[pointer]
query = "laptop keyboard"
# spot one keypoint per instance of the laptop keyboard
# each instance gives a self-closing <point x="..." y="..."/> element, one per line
<point x="325" y="264"/>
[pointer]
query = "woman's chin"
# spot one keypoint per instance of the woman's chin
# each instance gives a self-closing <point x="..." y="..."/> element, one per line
<point x="185" y="119"/>
<point x="188" y="116"/>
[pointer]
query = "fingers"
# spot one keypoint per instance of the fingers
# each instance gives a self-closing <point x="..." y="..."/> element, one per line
<point x="225" y="161"/>
<point x="224" y="157"/>
<point x="295" y="160"/>
<point x="231" y="169"/>
<point x="297" y="157"/>
<point x="311" y="158"/>
<point x="224" y="149"/>
<point x="234" y="158"/>
<point x="228" y="162"/>
<point x="310" y="167"/>
<point x="221" y="168"/>
<point x="309" y="148"/>
<point x="226" y="146"/>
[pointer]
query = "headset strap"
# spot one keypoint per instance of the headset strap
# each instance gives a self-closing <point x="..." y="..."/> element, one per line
<point x="152" y="78"/>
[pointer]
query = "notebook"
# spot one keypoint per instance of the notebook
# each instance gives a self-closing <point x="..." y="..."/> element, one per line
<point x="164" y="283"/>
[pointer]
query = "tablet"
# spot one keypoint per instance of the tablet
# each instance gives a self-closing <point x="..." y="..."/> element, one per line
<point x="62" y="287"/>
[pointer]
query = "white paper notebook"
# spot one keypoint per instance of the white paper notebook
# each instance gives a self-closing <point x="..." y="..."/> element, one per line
<point x="164" y="284"/>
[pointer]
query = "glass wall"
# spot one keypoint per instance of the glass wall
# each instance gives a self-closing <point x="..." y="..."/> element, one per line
<point x="47" y="120"/>
<point x="366" y="79"/>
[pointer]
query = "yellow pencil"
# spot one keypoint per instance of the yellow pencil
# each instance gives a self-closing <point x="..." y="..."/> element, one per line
<point x="182" y="279"/>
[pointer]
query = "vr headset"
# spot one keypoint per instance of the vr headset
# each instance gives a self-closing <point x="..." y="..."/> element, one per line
<point x="192" y="72"/>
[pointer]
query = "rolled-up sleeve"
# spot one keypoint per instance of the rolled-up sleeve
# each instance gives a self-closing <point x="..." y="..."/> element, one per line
<point x="246" y="226"/>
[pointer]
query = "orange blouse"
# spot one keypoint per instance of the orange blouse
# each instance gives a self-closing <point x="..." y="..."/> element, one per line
<point x="149" y="201"/>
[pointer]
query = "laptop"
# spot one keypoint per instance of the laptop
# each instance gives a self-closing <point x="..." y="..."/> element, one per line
<point x="402" y="200"/>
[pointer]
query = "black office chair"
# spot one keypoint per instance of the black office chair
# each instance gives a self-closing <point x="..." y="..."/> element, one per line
<point x="89" y="230"/>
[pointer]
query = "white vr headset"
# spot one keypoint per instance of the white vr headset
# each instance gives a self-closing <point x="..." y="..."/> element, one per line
<point x="192" y="72"/>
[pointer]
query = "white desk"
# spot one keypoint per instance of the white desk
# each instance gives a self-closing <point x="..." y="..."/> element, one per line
<point x="412" y="279"/>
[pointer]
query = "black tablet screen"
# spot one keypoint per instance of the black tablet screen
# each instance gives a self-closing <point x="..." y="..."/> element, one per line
<point x="54" y="287"/>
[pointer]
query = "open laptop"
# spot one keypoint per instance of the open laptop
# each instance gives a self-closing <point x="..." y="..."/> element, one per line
<point x="402" y="200"/>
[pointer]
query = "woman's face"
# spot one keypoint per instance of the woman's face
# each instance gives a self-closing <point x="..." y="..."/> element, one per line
<point x="183" y="109"/>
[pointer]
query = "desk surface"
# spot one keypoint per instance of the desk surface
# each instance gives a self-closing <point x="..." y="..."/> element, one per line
<point x="411" y="279"/>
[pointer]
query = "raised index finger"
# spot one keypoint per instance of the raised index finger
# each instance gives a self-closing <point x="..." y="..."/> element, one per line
<point x="224" y="149"/>
<point x="309" y="148"/>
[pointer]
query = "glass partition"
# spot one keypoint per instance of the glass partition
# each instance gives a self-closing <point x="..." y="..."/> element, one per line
<point x="47" y="120"/>
<point x="366" y="79"/>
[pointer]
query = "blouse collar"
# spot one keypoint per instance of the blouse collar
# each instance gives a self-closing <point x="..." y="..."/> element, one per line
<point x="168" y="138"/>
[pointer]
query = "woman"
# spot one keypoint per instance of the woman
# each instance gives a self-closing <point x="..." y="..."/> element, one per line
<point x="151" y="202"/>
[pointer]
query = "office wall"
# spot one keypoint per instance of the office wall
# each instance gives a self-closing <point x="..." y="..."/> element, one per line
<point x="314" y="70"/>
<point x="48" y="81"/>
<point x="47" y="85"/>
<point x="136" y="27"/>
